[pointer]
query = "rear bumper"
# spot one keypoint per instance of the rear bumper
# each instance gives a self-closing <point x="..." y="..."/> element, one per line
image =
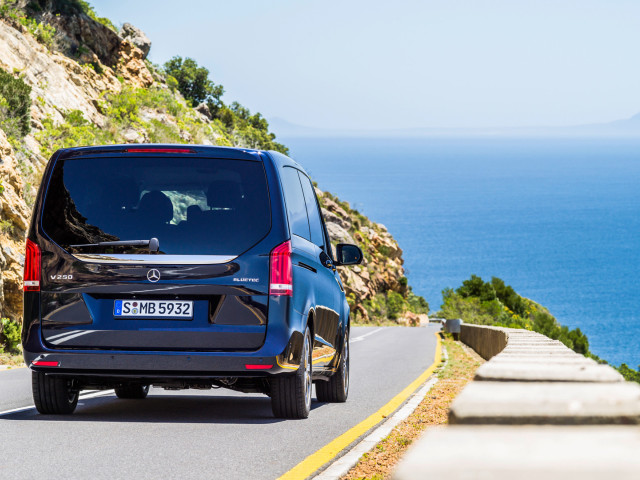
<point x="275" y="357"/>
<point x="280" y="352"/>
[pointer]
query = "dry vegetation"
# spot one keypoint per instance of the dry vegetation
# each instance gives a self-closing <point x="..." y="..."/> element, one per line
<point x="379" y="462"/>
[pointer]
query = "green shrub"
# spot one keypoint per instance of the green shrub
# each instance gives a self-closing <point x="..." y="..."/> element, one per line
<point x="629" y="374"/>
<point x="417" y="304"/>
<point x="9" y="336"/>
<point x="76" y="131"/>
<point x="43" y="32"/>
<point x="395" y="305"/>
<point x="15" y="105"/>
<point x="6" y="226"/>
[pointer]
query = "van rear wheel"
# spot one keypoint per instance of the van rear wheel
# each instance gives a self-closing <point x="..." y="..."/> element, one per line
<point x="138" y="392"/>
<point x="53" y="395"/>
<point x="336" y="389"/>
<point x="291" y="394"/>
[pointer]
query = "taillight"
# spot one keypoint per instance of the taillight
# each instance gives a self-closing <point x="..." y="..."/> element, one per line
<point x="32" y="268"/>
<point x="257" y="366"/>
<point x="45" y="363"/>
<point x="281" y="278"/>
<point x="158" y="150"/>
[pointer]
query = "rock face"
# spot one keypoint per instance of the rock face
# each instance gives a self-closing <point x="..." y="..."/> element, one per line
<point x="381" y="270"/>
<point x="137" y="38"/>
<point x="58" y="83"/>
<point x="14" y="219"/>
<point x="75" y="33"/>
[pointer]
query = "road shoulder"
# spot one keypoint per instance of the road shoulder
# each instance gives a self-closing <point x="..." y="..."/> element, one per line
<point x="380" y="461"/>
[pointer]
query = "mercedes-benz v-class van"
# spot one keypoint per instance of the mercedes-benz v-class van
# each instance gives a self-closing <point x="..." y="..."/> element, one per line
<point x="183" y="267"/>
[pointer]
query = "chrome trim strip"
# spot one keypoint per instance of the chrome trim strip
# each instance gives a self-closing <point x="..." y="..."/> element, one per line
<point x="154" y="259"/>
<point x="69" y="337"/>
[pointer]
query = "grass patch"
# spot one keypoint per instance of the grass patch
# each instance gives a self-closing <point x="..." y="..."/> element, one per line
<point x="11" y="359"/>
<point x="378" y="463"/>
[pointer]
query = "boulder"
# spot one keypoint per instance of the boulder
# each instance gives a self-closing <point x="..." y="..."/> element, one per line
<point x="132" y="67"/>
<point x="203" y="109"/>
<point x="339" y="234"/>
<point x="330" y="217"/>
<point x="137" y="37"/>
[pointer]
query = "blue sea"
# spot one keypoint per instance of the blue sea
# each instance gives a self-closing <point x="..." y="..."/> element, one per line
<point x="557" y="219"/>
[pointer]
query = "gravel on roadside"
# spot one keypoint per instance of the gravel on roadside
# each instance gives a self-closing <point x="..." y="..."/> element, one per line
<point x="378" y="463"/>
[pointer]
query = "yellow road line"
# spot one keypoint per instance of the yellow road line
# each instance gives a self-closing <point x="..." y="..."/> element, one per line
<point x="316" y="460"/>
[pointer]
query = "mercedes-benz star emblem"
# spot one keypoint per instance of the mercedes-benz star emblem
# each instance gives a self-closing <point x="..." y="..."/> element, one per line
<point x="153" y="275"/>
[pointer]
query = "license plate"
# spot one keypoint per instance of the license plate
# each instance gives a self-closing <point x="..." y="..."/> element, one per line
<point x="153" y="309"/>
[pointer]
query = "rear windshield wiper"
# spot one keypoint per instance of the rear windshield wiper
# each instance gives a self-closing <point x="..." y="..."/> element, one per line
<point x="153" y="244"/>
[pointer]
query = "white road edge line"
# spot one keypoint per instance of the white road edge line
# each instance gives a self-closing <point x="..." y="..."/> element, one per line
<point x="342" y="465"/>
<point x="362" y="337"/>
<point x="84" y="396"/>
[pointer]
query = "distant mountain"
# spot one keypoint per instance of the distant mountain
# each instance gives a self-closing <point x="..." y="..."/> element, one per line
<point x="284" y="128"/>
<point x="629" y="127"/>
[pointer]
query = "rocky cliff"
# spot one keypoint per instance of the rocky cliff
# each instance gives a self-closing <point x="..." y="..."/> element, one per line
<point x="91" y="84"/>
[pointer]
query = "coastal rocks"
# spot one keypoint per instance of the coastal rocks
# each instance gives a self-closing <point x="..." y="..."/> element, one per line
<point x="137" y="37"/>
<point x="381" y="270"/>
<point x="336" y="211"/>
<point x="331" y="217"/>
<point x="410" y="319"/>
<point x="338" y="233"/>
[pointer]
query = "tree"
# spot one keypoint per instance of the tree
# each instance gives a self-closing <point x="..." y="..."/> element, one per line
<point x="508" y="296"/>
<point x="476" y="287"/>
<point x="193" y="81"/>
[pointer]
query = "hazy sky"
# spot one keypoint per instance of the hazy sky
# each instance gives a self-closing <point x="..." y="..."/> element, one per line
<point x="369" y="64"/>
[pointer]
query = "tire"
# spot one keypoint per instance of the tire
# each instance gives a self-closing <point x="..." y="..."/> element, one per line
<point x="137" y="392"/>
<point x="53" y="395"/>
<point x="291" y="394"/>
<point x="336" y="390"/>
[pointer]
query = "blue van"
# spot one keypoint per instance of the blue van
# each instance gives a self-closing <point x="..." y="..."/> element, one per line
<point x="183" y="267"/>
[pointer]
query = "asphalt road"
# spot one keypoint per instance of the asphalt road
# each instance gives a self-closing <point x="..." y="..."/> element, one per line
<point x="200" y="434"/>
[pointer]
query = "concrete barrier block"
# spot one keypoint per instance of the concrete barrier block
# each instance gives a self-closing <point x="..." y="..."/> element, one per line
<point x="560" y="403"/>
<point x="539" y="353"/>
<point x="524" y="453"/>
<point x="549" y="371"/>
<point x="535" y="359"/>
<point x="486" y="341"/>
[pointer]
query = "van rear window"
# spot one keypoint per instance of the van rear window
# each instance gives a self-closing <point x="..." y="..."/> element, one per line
<point x="193" y="206"/>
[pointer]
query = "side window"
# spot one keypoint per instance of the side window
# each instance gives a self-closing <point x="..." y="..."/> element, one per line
<point x="296" y="208"/>
<point x="315" y="222"/>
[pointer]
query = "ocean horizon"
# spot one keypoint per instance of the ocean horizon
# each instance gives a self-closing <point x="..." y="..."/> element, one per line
<point x="557" y="219"/>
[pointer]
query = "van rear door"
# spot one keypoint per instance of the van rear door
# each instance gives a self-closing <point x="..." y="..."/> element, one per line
<point x="155" y="251"/>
